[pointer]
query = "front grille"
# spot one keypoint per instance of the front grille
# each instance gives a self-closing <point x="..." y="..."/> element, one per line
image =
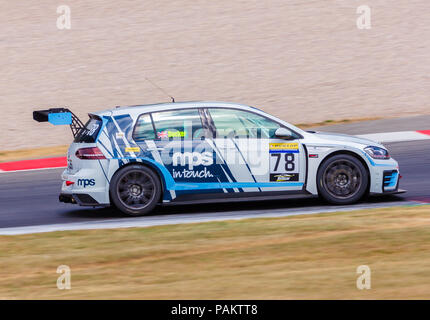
<point x="390" y="179"/>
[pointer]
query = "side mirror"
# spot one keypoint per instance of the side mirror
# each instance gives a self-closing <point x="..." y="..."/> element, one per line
<point x="284" y="133"/>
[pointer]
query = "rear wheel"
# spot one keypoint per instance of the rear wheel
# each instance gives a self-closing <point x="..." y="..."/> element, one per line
<point x="342" y="179"/>
<point x="135" y="190"/>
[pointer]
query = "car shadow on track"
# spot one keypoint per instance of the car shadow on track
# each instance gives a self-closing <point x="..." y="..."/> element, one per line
<point x="251" y="206"/>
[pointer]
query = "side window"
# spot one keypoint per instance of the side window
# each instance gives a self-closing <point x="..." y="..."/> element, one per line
<point x="183" y="124"/>
<point x="144" y="129"/>
<point x="243" y="124"/>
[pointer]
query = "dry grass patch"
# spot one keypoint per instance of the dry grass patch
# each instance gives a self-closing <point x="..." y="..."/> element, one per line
<point x="284" y="258"/>
<point x="333" y="122"/>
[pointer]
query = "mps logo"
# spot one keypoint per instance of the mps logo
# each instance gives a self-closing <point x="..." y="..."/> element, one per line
<point x="192" y="159"/>
<point x="86" y="182"/>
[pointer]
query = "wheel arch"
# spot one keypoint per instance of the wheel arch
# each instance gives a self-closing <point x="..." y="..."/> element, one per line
<point x="149" y="165"/>
<point x="353" y="154"/>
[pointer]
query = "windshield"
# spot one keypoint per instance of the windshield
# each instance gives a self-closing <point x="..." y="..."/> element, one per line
<point x="90" y="132"/>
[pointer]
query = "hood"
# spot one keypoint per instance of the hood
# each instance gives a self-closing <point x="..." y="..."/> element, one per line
<point x="345" y="137"/>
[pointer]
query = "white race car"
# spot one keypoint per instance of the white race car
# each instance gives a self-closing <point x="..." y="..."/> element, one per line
<point x="139" y="156"/>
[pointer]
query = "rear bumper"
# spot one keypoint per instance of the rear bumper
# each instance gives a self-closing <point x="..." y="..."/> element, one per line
<point x="67" y="198"/>
<point x="86" y="187"/>
<point x="80" y="199"/>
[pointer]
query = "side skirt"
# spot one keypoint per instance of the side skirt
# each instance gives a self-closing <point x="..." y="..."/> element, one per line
<point x="238" y="197"/>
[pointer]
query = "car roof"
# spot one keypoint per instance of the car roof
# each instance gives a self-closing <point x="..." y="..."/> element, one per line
<point x="138" y="109"/>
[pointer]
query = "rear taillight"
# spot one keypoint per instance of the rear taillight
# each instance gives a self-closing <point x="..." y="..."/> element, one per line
<point x="90" y="154"/>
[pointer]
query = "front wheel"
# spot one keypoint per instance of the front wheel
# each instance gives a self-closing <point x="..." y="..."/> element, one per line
<point x="342" y="179"/>
<point x="135" y="190"/>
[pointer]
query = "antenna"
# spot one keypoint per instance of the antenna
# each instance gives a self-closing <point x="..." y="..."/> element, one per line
<point x="161" y="89"/>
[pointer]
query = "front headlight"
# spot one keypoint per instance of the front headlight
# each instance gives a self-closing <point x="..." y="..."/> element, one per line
<point x="377" y="153"/>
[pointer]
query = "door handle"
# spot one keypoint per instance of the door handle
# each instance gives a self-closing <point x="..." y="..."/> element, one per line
<point x="155" y="149"/>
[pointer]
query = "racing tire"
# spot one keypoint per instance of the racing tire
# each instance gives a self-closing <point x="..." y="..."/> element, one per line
<point x="342" y="179"/>
<point x="135" y="190"/>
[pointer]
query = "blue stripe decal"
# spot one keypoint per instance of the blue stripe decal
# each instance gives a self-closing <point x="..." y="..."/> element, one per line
<point x="249" y="169"/>
<point x="283" y="151"/>
<point x="101" y="166"/>
<point x="104" y="123"/>
<point x="376" y="164"/>
<point x="106" y="149"/>
<point x="224" y="165"/>
<point x="172" y="185"/>
<point x="215" y="185"/>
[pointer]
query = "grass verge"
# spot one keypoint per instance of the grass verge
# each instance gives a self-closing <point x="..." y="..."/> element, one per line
<point x="299" y="257"/>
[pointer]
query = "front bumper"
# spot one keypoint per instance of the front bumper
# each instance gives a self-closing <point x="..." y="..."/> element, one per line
<point x="384" y="176"/>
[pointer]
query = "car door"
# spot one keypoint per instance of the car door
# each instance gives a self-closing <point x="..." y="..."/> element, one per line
<point x="180" y="142"/>
<point x="177" y="141"/>
<point x="257" y="159"/>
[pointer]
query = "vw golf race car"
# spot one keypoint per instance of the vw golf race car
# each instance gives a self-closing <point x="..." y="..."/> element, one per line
<point x="139" y="156"/>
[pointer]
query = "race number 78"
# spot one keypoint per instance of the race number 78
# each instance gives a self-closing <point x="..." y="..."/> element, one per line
<point x="287" y="160"/>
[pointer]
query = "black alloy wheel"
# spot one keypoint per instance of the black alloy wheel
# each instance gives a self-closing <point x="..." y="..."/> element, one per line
<point x="135" y="190"/>
<point x="342" y="179"/>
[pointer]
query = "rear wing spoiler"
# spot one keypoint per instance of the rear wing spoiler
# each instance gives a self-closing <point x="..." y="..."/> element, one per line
<point x="60" y="117"/>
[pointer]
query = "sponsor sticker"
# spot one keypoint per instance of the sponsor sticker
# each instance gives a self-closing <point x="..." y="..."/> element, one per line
<point x="192" y="160"/>
<point x="176" y="134"/>
<point x="284" y="147"/>
<point x="134" y="149"/>
<point x="86" y="183"/>
<point x="284" y="162"/>
<point x="284" y="177"/>
<point x="171" y="134"/>
<point x="119" y="135"/>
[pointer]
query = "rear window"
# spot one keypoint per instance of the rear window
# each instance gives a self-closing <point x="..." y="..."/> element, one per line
<point x="90" y="132"/>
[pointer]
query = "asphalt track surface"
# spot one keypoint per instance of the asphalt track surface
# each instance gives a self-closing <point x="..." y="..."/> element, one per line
<point x="31" y="199"/>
